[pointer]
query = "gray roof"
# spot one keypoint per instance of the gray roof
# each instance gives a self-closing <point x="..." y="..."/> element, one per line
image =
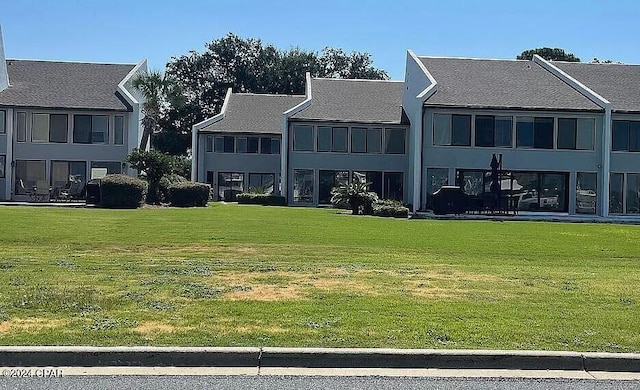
<point x="514" y="84"/>
<point x="254" y="113"/>
<point x="366" y="101"/>
<point x="75" y="85"/>
<point x="619" y="84"/>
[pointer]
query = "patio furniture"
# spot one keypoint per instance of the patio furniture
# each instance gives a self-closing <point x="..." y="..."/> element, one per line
<point x="42" y="191"/>
<point x="75" y="190"/>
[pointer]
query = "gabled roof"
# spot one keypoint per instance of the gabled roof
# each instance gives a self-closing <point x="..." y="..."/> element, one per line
<point x="254" y="113"/>
<point x="365" y="101"/>
<point x="505" y="84"/>
<point x="619" y="84"/>
<point x="74" y="85"/>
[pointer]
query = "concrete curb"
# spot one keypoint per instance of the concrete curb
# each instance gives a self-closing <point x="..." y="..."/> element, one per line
<point x="52" y="356"/>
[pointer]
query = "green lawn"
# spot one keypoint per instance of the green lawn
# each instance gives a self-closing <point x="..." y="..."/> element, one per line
<point x="231" y="275"/>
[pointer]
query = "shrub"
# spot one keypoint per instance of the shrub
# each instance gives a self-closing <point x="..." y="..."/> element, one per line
<point x="390" y="208"/>
<point x="263" y="199"/>
<point x="166" y="182"/>
<point x="189" y="194"/>
<point x="122" y="192"/>
<point x="356" y="195"/>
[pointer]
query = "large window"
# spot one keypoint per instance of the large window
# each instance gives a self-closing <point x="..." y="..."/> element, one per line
<point x="332" y="139"/>
<point x="118" y="130"/>
<point x="101" y="168"/>
<point x="394" y="185"/>
<point x="493" y="131"/>
<point x="327" y="181"/>
<point x="436" y="178"/>
<point x="577" y="134"/>
<point x="373" y="177"/>
<point x="534" y="132"/>
<point x="262" y="183"/>
<point x="230" y="184"/>
<point x="454" y="130"/>
<point x="586" y="192"/>
<point x="303" y="185"/>
<point x="21" y="127"/>
<point x="303" y="138"/>
<point x="3" y="121"/>
<point x="30" y="174"/>
<point x="90" y="129"/>
<point x="616" y="191"/>
<point x="394" y="141"/>
<point x="364" y="140"/>
<point x="224" y="144"/>
<point x="48" y="128"/>
<point x="269" y="145"/>
<point x="626" y="136"/>
<point x="70" y="176"/>
<point x="633" y="193"/>
<point x="3" y="164"/>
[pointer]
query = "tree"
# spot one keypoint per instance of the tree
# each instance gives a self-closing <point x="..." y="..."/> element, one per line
<point x="160" y="93"/>
<point x="548" y="54"/>
<point x="154" y="165"/>
<point x="356" y="195"/>
<point x="246" y="65"/>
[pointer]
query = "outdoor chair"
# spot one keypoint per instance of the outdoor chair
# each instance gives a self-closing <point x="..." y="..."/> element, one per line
<point x="42" y="191"/>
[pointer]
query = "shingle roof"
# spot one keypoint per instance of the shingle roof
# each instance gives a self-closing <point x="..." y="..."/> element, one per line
<point x="254" y="113"/>
<point x="50" y="84"/>
<point x="371" y="101"/>
<point x="619" y="84"/>
<point x="500" y="84"/>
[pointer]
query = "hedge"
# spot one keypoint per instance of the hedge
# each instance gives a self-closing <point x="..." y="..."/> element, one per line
<point x="122" y="192"/>
<point x="166" y="182"/>
<point x="189" y="194"/>
<point x="390" y="208"/>
<point x="263" y="199"/>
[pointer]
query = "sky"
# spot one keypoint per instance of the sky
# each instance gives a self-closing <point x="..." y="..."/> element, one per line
<point x="127" y="31"/>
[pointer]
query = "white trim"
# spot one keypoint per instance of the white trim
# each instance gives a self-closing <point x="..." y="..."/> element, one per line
<point x="606" y="126"/>
<point x="284" y="143"/>
<point x="195" y="130"/>
<point x="122" y="84"/>
<point x="4" y="74"/>
<point x="8" y="161"/>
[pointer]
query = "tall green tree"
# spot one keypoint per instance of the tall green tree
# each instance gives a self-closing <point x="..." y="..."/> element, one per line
<point x="549" y="54"/>
<point x="246" y="65"/>
<point x="161" y="94"/>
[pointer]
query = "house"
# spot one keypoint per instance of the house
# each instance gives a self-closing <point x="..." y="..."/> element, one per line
<point x="64" y="123"/>
<point x="568" y="134"/>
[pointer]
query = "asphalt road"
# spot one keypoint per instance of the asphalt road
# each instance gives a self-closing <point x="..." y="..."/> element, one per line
<point x="304" y="382"/>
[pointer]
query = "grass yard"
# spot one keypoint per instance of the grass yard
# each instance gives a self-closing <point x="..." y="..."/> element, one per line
<point x="232" y="275"/>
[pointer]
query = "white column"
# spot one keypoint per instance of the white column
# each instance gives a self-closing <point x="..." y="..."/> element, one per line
<point x="8" y="166"/>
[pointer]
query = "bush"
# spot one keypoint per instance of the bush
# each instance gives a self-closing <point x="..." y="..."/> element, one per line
<point x="263" y="199"/>
<point x="390" y="208"/>
<point x="189" y="194"/>
<point x="356" y="195"/>
<point x="122" y="192"/>
<point x="166" y="182"/>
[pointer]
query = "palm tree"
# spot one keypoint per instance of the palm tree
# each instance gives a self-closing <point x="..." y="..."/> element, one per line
<point x="159" y="93"/>
<point x="356" y="195"/>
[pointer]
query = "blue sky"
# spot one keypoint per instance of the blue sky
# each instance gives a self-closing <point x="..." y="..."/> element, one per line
<point x="127" y="31"/>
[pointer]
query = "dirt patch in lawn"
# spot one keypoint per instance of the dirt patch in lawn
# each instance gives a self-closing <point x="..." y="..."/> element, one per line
<point x="151" y="328"/>
<point x="265" y="293"/>
<point x="29" y="325"/>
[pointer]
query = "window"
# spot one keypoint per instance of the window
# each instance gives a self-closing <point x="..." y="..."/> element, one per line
<point x="269" y="145"/>
<point x="230" y="184"/>
<point x="327" y="180"/>
<point x="224" y="144"/>
<point x="99" y="129"/>
<point x="332" y="139"/>
<point x="40" y="128"/>
<point x="303" y="185"/>
<point x="576" y="134"/>
<point x="90" y="129"/>
<point x="393" y="185"/>
<point x="394" y="141"/>
<point x="373" y="177"/>
<point x="3" y="164"/>
<point x="58" y="128"/>
<point x="210" y="175"/>
<point x="616" y="189"/>
<point x="21" y="133"/>
<point x="3" y="121"/>
<point x="452" y="130"/>
<point x="66" y="173"/>
<point x="586" y="192"/>
<point x="365" y="140"/>
<point x="252" y="144"/>
<point x="261" y="183"/>
<point x="534" y="132"/>
<point x="303" y="138"/>
<point x="241" y="145"/>
<point x="436" y="178"/>
<point x="208" y="144"/>
<point x="118" y="131"/>
<point x="29" y="174"/>
<point x="626" y="136"/>
<point x="101" y="168"/>
<point x="633" y="193"/>
<point x="493" y="131"/>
